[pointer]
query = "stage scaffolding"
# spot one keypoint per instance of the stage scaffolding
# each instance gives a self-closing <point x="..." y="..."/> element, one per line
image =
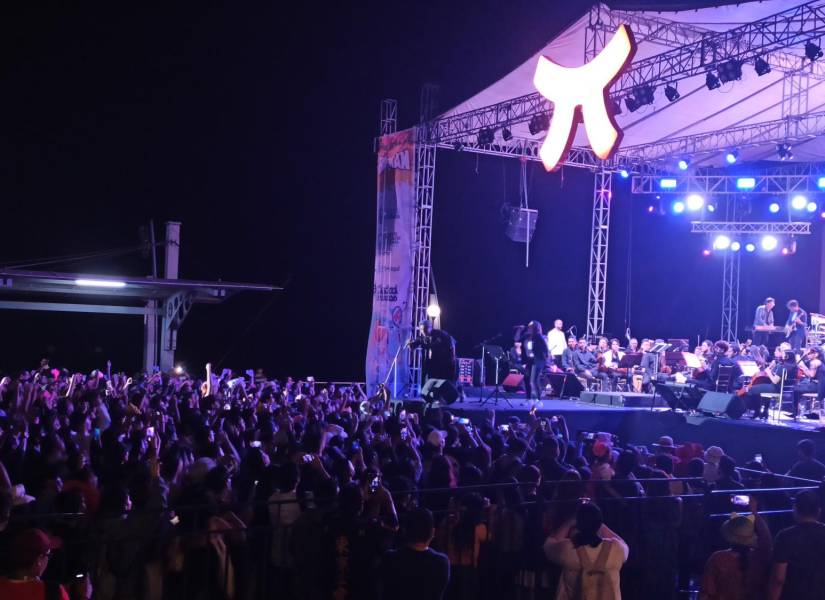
<point x="693" y="51"/>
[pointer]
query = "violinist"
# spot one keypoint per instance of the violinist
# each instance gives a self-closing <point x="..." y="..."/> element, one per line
<point x="612" y="358"/>
<point x="811" y="378"/>
<point x="770" y="381"/>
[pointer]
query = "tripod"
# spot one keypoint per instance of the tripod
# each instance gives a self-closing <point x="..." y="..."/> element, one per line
<point x="497" y="354"/>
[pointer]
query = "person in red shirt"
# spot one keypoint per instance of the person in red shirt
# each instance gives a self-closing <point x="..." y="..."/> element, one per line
<point x="27" y="562"/>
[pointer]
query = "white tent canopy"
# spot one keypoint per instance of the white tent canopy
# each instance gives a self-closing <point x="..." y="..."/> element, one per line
<point x="748" y="101"/>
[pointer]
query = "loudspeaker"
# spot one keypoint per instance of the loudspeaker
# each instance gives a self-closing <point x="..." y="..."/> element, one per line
<point x="439" y="389"/>
<point x="565" y="385"/>
<point x="719" y="403"/>
<point x="513" y="382"/>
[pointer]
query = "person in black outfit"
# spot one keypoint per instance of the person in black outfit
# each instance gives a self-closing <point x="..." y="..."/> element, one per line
<point x="797" y="572"/>
<point x="415" y="571"/>
<point x="534" y="348"/>
<point x="438" y="351"/>
<point x="722" y="359"/>
<point x="798" y="323"/>
<point x="807" y="466"/>
<point x="783" y="366"/>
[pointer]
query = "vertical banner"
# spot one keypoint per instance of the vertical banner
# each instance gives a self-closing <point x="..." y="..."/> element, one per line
<point x="394" y="236"/>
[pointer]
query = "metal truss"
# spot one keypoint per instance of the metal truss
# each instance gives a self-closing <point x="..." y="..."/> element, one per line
<point x="424" y="192"/>
<point x="730" y="276"/>
<point x="790" y="129"/>
<point x="798" y="178"/>
<point x="783" y="30"/>
<point x="674" y="34"/>
<point x="389" y="116"/>
<point x="750" y="227"/>
<point x="597" y="290"/>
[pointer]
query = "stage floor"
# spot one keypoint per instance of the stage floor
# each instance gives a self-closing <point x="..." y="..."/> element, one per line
<point x="741" y="439"/>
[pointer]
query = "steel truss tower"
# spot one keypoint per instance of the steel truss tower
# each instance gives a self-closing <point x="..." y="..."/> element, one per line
<point x="730" y="280"/>
<point x="600" y="235"/>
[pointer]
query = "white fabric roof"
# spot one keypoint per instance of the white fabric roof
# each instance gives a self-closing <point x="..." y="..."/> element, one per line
<point x="750" y="100"/>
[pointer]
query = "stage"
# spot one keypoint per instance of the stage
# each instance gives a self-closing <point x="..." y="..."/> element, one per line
<point x="642" y="425"/>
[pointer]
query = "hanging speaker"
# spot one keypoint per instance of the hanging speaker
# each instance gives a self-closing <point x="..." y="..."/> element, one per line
<point x="521" y="223"/>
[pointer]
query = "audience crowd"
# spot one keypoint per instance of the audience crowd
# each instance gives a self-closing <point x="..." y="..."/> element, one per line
<point x="233" y="486"/>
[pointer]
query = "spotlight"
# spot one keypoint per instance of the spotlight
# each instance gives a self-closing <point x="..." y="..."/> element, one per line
<point x="683" y="163"/>
<point x="820" y="183"/>
<point x="712" y="81"/>
<point x="745" y="183"/>
<point x="750" y="247"/>
<point x="678" y="207"/>
<point x="458" y="146"/>
<point x="506" y="134"/>
<point x="774" y="207"/>
<point x="624" y="173"/>
<point x="705" y="252"/>
<point x="799" y="202"/>
<point x="785" y="251"/>
<point x="650" y="209"/>
<point x="433" y="311"/>
<point x="730" y="70"/>
<point x="812" y="51"/>
<point x="711" y="207"/>
<point x="643" y="94"/>
<point x="761" y="66"/>
<point x="811" y="207"/>
<point x="671" y="93"/>
<point x="486" y="136"/>
<point x="694" y="202"/>
<point x="735" y="246"/>
<point x="179" y="370"/>
<point x="667" y="183"/>
<point x="731" y="156"/>
<point x="769" y="243"/>
<point x="539" y="123"/>
<point x="631" y="103"/>
<point x="822" y="215"/>
<point x="784" y="151"/>
<point x="617" y="107"/>
<point x="722" y="242"/>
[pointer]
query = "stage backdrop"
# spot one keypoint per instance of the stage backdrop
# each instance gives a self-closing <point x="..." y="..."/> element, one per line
<point x="395" y="235"/>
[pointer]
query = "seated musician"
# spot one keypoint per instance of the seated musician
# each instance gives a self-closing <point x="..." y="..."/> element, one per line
<point x="770" y="381"/>
<point x="811" y="378"/>
<point x="632" y="346"/>
<point x="586" y="365"/>
<point x="723" y="358"/>
<point x="567" y="362"/>
<point x="516" y="357"/>
<point x="762" y="319"/>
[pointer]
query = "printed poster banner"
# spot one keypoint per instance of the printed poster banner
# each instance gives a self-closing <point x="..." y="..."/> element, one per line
<point x="395" y="233"/>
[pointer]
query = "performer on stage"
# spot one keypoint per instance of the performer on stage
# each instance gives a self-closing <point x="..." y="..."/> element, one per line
<point x="534" y="347"/>
<point x="796" y="326"/>
<point x="763" y="318"/>
<point x="783" y="366"/>
<point x="586" y="365"/>
<point x="556" y="342"/>
<point x="438" y="351"/>
<point x="568" y="362"/>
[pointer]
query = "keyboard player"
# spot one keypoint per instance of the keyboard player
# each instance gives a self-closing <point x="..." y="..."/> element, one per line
<point x="763" y="322"/>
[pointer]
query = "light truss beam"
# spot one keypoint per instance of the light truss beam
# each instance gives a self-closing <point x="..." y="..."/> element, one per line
<point x="786" y="29"/>
<point x="600" y="236"/>
<point x="750" y="227"/>
<point x="792" y="129"/>
<point x="805" y="180"/>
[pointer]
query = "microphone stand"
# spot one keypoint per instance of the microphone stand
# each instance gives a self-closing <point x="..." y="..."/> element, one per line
<point x="394" y="370"/>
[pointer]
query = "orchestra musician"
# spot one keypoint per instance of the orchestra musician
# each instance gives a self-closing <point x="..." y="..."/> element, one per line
<point x="796" y="325"/>
<point x="612" y="358"/>
<point x="770" y="381"/>
<point x="763" y="318"/>
<point x="811" y="376"/>
<point x="632" y="346"/>
<point x="723" y="358"/>
<point x="534" y="347"/>
<point x="568" y="362"/>
<point x="586" y="365"/>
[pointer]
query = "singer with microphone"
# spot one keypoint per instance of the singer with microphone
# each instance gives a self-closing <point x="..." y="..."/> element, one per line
<point x="556" y="342"/>
<point x="438" y="352"/>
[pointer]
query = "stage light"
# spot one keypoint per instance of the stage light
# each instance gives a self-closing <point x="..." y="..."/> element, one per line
<point x="643" y="94"/>
<point x="103" y="283"/>
<point x="722" y="242"/>
<point x="785" y="251"/>
<point x="458" y="146"/>
<point x="812" y="51"/>
<point x="179" y="370"/>
<point x="820" y="183"/>
<point x="694" y="202"/>
<point x="750" y="247"/>
<point x="651" y="208"/>
<point x="671" y="93"/>
<point x="784" y="151"/>
<point x="811" y="207"/>
<point x="745" y="183"/>
<point x="486" y="136"/>
<point x="667" y="183"/>
<point x="799" y="202"/>
<point x="506" y="134"/>
<point x="774" y="207"/>
<point x="706" y="252"/>
<point x="624" y="173"/>
<point x="539" y="123"/>
<point x="711" y="207"/>
<point x="735" y="246"/>
<point x="631" y="103"/>
<point x="761" y="66"/>
<point x="769" y="243"/>
<point x="683" y="163"/>
<point x="731" y="156"/>
<point x="678" y="207"/>
<point x="822" y="215"/>
<point x="730" y="70"/>
<point x="712" y="81"/>
<point x="433" y="311"/>
<point x="617" y="107"/>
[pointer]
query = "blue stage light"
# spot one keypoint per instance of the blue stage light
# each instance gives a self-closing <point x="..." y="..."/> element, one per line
<point x="799" y="202"/>
<point x="711" y="207"/>
<point x="624" y="173"/>
<point x="683" y="164"/>
<point x="722" y="242"/>
<point x="745" y="183"/>
<point x="821" y="183"/>
<point x="694" y="202"/>
<point x="678" y="207"/>
<point x="667" y="184"/>
<point x="750" y="247"/>
<point x="769" y="243"/>
<point x="811" y="207"/>
<point x="774" y="207"/>
<point x="731" y="156"/>
<point x="735" y="246"/>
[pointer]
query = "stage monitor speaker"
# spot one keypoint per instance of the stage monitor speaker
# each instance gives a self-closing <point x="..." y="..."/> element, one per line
<point x="719" y="403"/>
<point x="513" y="382"/>
<point x="565" y="385"/>
<point x="439" y="389"/>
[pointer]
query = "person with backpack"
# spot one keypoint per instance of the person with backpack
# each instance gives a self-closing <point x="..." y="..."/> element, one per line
<point x="590" y="555"/>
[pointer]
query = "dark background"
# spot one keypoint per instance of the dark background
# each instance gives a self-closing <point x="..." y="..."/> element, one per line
<point x="254" y="128"/>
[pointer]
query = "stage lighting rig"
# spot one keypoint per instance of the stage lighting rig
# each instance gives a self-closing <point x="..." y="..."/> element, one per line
<point x="784" y="151"/>
<point x="643" y="94"/>
<point x="617" y="107"/>
<point x="671" y="93"/>
<point x="712" y="81"/>
<point x="761" y="66"/>
<point x="732" y="156"/>
<point x="683" y="163"/>
<point x="506" y="134"/>
<point x="458" y="146"/>
<point x="730" y="70"/>
<point x="812" y="51"/>
<point x="539" y="123"/>
<point x="486" y="136"/>
<point x="631" y="103"/>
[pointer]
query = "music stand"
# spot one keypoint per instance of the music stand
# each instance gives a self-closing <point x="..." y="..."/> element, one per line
<point x="497" y="354"/>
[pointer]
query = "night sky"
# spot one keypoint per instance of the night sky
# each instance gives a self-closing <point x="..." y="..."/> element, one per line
<point x="253" y="126"/>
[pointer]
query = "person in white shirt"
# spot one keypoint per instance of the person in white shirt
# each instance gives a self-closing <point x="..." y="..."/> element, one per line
<point x="590" y="555"/>
<point x="556" y="342"/>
